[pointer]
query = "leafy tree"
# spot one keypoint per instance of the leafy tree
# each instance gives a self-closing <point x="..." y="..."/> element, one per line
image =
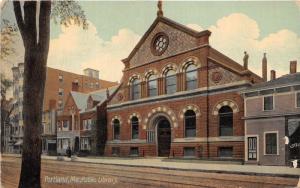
<point x="34" y="25"/>
<point x="6" y="108"/>
<point x="8" y="32"/>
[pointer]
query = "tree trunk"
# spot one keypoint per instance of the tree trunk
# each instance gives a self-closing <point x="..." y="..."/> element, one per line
<point x="35" y="60"/>
<point x="32" y="118"/>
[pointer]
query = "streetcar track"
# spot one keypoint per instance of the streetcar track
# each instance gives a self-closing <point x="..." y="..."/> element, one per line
<point x="97" y="171"/>
<point x="112" y="172"/>
<point x="143" y="176"/>
<point x="263" y="179"/>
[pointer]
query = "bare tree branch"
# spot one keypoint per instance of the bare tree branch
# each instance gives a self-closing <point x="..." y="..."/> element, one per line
<point x="19" y="18"/>
<point x="44" y="23"/>
<point x="30" y="20"/>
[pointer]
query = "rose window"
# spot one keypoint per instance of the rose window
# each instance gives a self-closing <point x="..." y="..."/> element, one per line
<point x="160" y="44"/>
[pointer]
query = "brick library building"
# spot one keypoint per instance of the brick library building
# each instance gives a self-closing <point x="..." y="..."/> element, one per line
<point x="179" y="97"/>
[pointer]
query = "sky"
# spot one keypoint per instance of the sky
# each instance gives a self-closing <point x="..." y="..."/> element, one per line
<point x="115" y="28"/>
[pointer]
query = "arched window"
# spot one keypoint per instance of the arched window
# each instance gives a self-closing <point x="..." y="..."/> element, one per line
<point x="191" y="77"/>
<point x="190" y="123"/>
<point x="135" y="89"/>
<point x="171" y="82"/>
<point x="116" y="129"/>
<point x="226" y="121"/>
<point x="134" y="128"/>
<point x="152" y="85"/>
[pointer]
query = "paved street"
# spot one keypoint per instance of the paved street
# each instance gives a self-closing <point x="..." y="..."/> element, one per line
<point x="82" y="174"/>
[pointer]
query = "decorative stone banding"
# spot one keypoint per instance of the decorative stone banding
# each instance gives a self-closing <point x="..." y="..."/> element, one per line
<point x="168" y="67"/>
<point x="229" y="103"/>
<point x="149" y="73"/>
<point x="190" y="107"/>
<point x="191" y="60"/>
<point x="133" y="77"/>
<point x="164" y="110"/>
<point x="135" y="114"/>
<point x="116" y="117"/>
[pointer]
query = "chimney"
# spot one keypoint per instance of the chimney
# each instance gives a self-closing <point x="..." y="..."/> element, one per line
<point x="273" y="75"/>
<point x="75" y="86"/>
<point x="107" y="93"/>
<point x="293" y="67"/>
<point x="264" y="68"/>
<point x="245" y="59"/>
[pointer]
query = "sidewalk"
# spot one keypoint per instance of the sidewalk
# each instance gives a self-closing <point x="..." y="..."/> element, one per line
<point x="187" y="165"/>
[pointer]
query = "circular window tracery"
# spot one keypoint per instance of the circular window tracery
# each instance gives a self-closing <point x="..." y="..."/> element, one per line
<point x="160" y="43"/>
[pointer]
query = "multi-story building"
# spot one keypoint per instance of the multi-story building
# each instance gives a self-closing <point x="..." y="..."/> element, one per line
<point x="59" y="83"/>
<point x="179" y="98"/>
<point x="272" y="120"/>
<point x="76" y="126"/>
<point x="57" y="86"/>
<point x="17" y="114"/>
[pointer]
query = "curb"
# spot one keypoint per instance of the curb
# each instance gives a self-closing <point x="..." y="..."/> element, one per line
<point x="200" y="170"/>
<point x="182" y="169"/>
<point x="191" y="170"/>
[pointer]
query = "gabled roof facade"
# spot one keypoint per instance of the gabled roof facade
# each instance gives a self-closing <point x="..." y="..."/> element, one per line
<point x="80" y="99"/>
<point x="176" y="32"/>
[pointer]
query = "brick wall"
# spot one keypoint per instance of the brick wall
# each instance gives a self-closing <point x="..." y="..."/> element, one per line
<point x="215" y="71"/>
<point x="53" y="84"/>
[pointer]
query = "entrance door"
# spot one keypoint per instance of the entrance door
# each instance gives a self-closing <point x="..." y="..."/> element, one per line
<point x="164" y="138"/>
<point x="76" y="147"/>
<point x="252" y="148"/>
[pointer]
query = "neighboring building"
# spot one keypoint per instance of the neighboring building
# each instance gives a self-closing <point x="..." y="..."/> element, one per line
<point x="272" y="120"/>
<point x="57" y="86"/>
<point x="8" y="127"/>
<point x="179" y="98"/>
<point x="17" y="115"/>
<point x="59" y="83"/>
<point x="91" y="73"/>
<point x="49" y="131"/>
<point x="68" y="122"/>
<point x="89" y="119"/>
<point x="76" y="125"/>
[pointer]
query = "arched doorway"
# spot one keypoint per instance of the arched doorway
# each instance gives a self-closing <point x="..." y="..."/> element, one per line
<point x="163" y="137"/>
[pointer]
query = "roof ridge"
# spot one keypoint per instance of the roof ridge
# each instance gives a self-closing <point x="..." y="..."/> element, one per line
<point x="103" y="89"/>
